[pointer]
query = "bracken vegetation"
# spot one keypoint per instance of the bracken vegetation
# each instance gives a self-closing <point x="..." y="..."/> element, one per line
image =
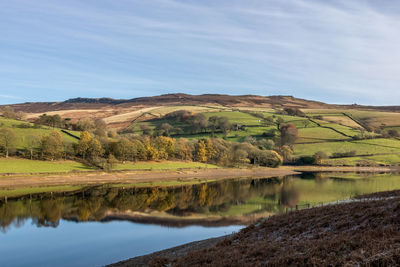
<point x="362" y="233"/>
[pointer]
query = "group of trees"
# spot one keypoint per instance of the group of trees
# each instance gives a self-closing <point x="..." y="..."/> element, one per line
<point x="211" y="150"/>
<point x="195" y="123"/>
<point x="98" y="126"/>
<point x="103" y="152"/>
<point x="9" y="113"/>
<point x="98" y="148"/>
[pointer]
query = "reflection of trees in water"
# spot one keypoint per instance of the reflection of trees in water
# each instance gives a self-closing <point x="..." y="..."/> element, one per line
<point x="92" y="203"/>
<point x="289" y="194"/>
<point x="318" y="177"/>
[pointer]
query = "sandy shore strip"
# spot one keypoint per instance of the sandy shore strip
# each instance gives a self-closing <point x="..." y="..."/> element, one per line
<point x="92" y="178"/>
<point x="184" y="175"/>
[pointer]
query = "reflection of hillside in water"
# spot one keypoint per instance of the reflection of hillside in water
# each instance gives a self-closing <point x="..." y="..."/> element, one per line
<point x="216" y="203"/>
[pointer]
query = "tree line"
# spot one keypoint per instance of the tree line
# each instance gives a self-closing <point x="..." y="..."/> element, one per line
<point x="103" y="149"/>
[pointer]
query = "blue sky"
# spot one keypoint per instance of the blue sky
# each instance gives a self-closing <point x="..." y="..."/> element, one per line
<point x="333" y="51"/>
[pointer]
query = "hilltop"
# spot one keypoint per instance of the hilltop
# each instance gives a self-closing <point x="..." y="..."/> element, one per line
<point x="172" y="99"/>
<point x="120" y="113"/>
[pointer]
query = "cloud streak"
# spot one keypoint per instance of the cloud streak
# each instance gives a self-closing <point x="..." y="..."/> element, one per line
<point x="338" y="52"/>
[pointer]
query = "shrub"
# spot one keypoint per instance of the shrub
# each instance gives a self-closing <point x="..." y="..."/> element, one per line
<point x="344" y="154"/>
<point x="306" y="160"/>
<point x="319" y="156"/>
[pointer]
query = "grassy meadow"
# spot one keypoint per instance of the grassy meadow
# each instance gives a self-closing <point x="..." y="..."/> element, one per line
<point x="25" y="129"/>
<point x="17" y="165"/>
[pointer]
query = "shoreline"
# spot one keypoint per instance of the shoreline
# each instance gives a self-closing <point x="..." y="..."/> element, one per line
<point x="170" y="253"/>
<point x="184" y="175"/>
<point x="129" y="177"/>
<point x="211" y="248"/>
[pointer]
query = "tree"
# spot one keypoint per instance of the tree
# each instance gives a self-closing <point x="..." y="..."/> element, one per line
<point x="9" y="113"/>
<point x="31" y="142"/>
<point x="49" y="120"/>
<point x="268" y="158"/>
<point x="289" y="134"/>
<point x="163" y="129"/>
<point x="184" y="149"/>
<point x="200" y="151"/>
<point x="224" y="125"/>
<point x="151" y="152"/>
<point x="125" y="150"/>
<point x="199" y="122"/>
<point x="145" y="129"/>
<point x="100" y="128"/>
<point x="250" y="139"/>
<point x="84" y="125"/>
<point x="319" y="157"/>
<point x="8" y="140"/>
<point x="213" y="124"/>
<point x="240" y="155"/>
<point x="268" y="121"/>
<point x="165" y="147"/>
<point x="83" y="144"/>
<point x="393" y="133"/>
<point x="286" y="152"/>
<point x="210" y="151"/>
<point x="95" y="149"/>
<point x="265" y="144"/>
<point x="294" y="112"/>
<point x="52" y="145"/>
<point x="278" y="122"/>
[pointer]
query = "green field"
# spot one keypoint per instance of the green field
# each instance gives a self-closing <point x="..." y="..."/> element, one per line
<point x="16" y="165"/>
<point x="362" y="147"/>
<point x="24" y="133"/>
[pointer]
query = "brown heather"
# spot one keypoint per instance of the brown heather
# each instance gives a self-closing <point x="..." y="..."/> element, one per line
<point x="363" y="233"/>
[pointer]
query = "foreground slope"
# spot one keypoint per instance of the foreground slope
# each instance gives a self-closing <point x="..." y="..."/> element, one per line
<point x="363" y="233"/>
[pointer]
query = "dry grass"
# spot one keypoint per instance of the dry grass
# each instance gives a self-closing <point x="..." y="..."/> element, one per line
<point x="342" y="120"/>
<point x="353" y="234"/>
<point x="128" y="116"/>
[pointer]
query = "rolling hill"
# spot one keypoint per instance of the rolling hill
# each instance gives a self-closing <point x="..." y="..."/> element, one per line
<point x="333" y="129"/>
<point x="120" y="113"/>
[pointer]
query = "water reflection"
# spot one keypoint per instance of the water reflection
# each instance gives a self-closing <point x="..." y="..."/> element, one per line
<point x="220" y="203"/>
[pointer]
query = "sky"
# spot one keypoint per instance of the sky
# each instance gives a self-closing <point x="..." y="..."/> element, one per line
<point x="332" y="51"/>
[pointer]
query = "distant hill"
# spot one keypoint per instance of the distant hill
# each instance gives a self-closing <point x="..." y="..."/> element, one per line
<point x="277" y="101"/>
<point x="172" y="99"/>
<point x="120" y="113"/>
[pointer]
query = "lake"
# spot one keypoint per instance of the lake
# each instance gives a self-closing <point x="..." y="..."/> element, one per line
<point x="99" y="225"/>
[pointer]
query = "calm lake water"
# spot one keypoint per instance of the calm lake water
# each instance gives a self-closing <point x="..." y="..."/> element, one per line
<point x="100" y="225"/>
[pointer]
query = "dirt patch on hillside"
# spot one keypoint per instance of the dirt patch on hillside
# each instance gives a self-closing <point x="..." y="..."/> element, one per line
<point x="353" y="234"/>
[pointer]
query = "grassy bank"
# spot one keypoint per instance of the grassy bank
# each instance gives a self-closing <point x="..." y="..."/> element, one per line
<point x="16" y="165"/>
<point x="21" y="166"/>
<point x="37" y="190"/>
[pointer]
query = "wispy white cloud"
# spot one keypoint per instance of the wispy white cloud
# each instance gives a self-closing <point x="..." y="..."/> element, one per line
<point x="342" y="51"/>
